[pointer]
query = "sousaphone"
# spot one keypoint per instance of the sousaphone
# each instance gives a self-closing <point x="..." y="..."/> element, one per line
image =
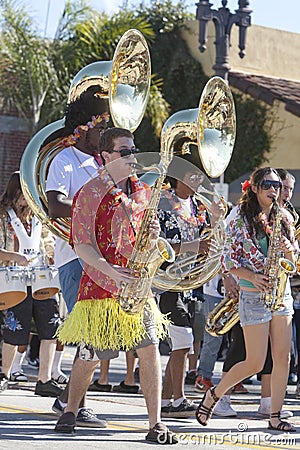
<point x="211" y="128"/>
<point x="125" y="82"/>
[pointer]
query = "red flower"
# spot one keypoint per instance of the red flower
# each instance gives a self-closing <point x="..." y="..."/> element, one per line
<point x="245" y="185"/>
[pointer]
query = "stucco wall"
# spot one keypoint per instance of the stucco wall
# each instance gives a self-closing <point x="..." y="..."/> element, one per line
<point x="269" y="52"/>
<point x="286" y="147"/>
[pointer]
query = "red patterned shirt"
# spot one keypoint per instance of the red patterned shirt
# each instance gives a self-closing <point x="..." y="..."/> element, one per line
<point x="107" y="219"/>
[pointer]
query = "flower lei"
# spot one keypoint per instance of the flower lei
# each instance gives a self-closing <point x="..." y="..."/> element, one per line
<point x="134" y="207"/>
<point x="176" y="206"/>
<point x="73" y="138"/>
<point x="139" y="201"/>
<point x="245" y="185"/>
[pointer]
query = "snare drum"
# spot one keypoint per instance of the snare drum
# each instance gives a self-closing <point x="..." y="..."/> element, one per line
<point x="44" y="282"/>
<point x="13" y="286"/>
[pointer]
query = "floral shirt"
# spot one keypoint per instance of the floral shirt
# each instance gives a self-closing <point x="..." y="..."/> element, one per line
<point x="176" y="226"/>
<point x="240" y="250"/>
<point x="106" y="218"/>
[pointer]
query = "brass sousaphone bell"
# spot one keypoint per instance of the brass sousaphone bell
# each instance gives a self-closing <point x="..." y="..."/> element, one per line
<point x="211" y="128"/>
<point x="125" y="82"/>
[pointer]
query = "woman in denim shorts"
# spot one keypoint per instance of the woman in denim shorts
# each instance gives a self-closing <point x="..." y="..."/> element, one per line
<point x="247" y="255"/>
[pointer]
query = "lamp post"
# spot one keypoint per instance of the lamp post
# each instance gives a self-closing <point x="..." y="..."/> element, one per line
<point x="223" y="20"/>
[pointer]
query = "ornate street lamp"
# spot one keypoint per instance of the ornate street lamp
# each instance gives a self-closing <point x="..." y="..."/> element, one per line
<point x="223" y="20"/>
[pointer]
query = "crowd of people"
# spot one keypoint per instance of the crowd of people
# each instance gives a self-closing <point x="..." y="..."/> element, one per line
<point x="92" y="181"/>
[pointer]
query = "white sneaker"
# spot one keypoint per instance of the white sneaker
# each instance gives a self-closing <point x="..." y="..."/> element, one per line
<point x="264" y="411"/>
<point x="224" y="409"/>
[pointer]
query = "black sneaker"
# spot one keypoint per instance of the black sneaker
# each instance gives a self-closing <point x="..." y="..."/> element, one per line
<point x="97" y="387"/>
<point x="87" y="418"/>
<point x="3" y="382"/>
<point x="126" y="389"/>
<point x="165" y="410"/>
<point x="185" y="409"/>
<point x="57" y="407"/>
<point x="190" y="377"/>
<point x="48" y="389"/>
<point x="66" y="423"/>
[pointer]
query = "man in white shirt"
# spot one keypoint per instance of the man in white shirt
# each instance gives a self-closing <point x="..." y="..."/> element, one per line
<point x="74" y="166"/>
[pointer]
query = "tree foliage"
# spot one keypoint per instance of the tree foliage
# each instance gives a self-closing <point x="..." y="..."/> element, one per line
<point x="35" y="73"/>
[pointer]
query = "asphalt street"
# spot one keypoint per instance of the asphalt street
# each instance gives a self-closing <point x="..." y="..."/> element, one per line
<point x="27" y="420"/>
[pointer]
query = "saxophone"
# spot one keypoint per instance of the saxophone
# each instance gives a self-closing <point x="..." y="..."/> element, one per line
<point x="277" y="269"/>
<point x="223" y="317"/>
<point x="133" y="297"/>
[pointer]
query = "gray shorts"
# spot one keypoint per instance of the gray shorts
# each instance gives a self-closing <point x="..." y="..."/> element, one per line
<point x="89" y="353"/>
<point x="252" y="310"/>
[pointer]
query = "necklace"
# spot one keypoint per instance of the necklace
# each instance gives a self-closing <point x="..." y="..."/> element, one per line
<point x="132" y="205"/>
<point x="198" y="216"/>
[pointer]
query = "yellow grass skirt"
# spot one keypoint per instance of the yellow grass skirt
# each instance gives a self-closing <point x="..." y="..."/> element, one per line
<point x="104" y="325"/>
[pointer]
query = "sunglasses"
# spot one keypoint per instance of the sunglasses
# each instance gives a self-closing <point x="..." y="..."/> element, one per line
<point x="268" y="184"/>
<point x="126" y="151"/>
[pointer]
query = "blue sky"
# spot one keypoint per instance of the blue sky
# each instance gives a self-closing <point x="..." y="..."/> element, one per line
<point x="265" y="12"/>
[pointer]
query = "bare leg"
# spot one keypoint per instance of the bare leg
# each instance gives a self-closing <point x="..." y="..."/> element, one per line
<point x="104" y="369"/>
<point x="22" y="348"/>
<point x="47" y="351"/>
<point x="81" y="377"/>
<point x="150" y="378"/>
<point x="280" y="337"/>
<point x="130" y="367"/>
<point x="8" y="355"/>
<point x="174" y="375"/>
<point x="256" y="337"/>
<point x="65" y="394"/>
<point x="59" y="346"/>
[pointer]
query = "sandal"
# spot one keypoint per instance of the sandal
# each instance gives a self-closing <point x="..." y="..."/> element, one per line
<point x="204" y="410"/>
<point x="161" y="435"/>
<point x="284" y="426"/>
<point x="18" y="376"/>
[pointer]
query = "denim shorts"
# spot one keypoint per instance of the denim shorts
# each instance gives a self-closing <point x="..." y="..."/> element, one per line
<point x="252" y="310"/>
<point x="90" y="353"/>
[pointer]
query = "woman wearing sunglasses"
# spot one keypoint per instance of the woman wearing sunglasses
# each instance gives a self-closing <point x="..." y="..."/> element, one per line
<point x="245" y="255"/>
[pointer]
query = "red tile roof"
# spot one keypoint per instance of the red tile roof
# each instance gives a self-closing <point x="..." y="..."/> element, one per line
<point x="269" y="89"/>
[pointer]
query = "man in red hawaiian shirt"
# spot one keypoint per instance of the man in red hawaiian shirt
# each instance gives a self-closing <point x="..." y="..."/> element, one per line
<point x="107" y="215"/>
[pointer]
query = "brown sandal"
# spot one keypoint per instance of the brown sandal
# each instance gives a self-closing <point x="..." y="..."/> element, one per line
<point x="284" y="426"/>
<point x="204" y="410"/>
<point x="160" y="434"/>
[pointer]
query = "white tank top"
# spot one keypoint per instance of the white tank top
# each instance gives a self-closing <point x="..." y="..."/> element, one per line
<point x="28" y="244"/>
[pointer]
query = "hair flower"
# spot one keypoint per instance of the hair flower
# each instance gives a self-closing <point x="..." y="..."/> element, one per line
<point x="245" y="185"/>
